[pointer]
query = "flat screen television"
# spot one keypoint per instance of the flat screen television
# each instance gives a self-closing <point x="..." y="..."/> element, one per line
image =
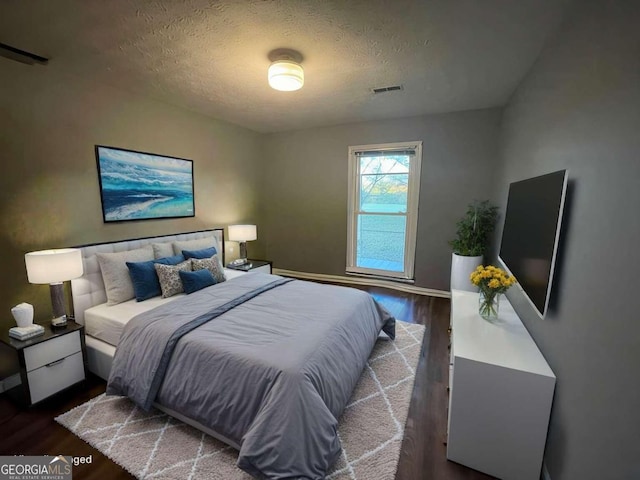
<point x="531" y="232"/>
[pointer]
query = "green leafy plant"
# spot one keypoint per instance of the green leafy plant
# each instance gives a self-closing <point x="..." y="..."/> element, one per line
<point x="474" y="229"/>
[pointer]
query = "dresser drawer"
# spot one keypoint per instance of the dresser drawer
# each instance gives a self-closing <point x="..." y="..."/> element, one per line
<point x="47" y="380"/>
<point x="51" y="350"/>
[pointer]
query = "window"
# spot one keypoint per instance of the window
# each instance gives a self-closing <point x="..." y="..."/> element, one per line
<point x="384" y="184"/>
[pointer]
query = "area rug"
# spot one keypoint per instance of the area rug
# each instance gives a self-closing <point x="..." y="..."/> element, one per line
<point x="156" y="446"/>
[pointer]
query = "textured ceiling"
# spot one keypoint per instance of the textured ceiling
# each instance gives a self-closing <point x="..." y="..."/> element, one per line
<point x="211" y="56"/>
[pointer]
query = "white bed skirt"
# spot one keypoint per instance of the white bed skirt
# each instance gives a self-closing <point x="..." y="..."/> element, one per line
<point x="99" y="356"/>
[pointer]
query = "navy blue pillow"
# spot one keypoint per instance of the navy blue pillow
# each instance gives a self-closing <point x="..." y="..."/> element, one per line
<point x="194" y="281"/>
<point x="204" y="253"/>
<point x="145" y="280"/>
<point x="175" y="260"/>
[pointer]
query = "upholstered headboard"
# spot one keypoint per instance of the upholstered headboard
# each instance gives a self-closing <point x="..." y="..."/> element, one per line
<point x="89" y="289"/>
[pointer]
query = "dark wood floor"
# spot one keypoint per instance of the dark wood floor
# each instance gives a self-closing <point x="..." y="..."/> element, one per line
<point x="423" y="456"/>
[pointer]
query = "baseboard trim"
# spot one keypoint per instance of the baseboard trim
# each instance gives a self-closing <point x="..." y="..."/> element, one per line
<point x="545" y="472"/>
<point x="372" y="282"/>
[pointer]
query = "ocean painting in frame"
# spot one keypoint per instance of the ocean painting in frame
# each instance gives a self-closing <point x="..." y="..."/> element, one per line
<point x="141" y="186"/>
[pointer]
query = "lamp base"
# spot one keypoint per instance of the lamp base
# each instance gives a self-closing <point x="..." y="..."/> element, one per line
<point x="243" y="252"/>
<point x="59" y="322"/>
<point x="57" y="299"/>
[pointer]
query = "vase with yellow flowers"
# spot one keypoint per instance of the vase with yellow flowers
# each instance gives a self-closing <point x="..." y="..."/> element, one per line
<point x="492" y="282"/>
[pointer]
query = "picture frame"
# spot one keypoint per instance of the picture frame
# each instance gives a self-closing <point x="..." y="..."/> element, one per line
<point x="143" y="186"/>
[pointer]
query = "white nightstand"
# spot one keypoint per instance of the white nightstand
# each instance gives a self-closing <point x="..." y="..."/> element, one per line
<point x="48" y="363"/>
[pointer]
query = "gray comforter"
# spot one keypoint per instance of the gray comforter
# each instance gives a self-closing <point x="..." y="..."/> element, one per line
<point x="271" y="374"/>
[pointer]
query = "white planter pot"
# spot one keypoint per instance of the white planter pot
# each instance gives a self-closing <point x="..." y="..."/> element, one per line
<point x="461" y="268"/>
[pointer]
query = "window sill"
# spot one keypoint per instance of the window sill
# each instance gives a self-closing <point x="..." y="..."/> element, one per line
<point x="409" y="281"/>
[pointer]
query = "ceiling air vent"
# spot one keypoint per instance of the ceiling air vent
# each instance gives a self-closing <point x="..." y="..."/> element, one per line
<point x="391" y="88"/>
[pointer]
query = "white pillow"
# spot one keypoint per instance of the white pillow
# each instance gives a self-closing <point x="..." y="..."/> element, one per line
<point x="199" y="244"/>
<point x="115" y="274"/>
<point x="162" y="250"/>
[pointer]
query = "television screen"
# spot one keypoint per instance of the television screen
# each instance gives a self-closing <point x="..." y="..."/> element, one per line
<point x="530" y="235"/>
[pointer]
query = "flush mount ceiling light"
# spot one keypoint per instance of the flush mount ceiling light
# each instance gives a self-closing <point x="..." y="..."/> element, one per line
<point x="285" y="72"/>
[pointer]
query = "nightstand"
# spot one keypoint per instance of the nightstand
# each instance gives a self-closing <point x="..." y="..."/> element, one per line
<point x="263" y="266"/>
<point x="49" y="363"/>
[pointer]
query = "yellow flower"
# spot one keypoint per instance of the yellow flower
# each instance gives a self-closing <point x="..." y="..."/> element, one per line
<point x="491" y="277"/>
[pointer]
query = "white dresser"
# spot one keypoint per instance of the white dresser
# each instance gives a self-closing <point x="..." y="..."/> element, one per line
<point x="500" y="392"/>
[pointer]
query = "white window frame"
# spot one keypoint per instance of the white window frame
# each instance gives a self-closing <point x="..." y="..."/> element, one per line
<point x="413" y="195"/>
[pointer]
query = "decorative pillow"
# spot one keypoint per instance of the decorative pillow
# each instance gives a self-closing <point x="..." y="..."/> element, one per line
<point x="115" y="274"/>
<point x="199" y="244"/>
<point x="171" y="260"/>
<point x="169" y="276"/>
<point x="145" y="279"/>
<point x="204" y="253"/>
<point x="162" y="250"/>
<point x="212" y="264"/>
<point x="194" y="281"/>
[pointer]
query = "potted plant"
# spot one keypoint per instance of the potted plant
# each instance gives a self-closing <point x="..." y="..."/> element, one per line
<point x="470" y="243"/>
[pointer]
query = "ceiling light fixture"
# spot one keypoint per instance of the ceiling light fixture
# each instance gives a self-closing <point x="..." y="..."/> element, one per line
<point x="285" y="72"/>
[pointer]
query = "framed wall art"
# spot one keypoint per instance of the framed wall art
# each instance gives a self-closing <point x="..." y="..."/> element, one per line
<point x="141" y="186"/>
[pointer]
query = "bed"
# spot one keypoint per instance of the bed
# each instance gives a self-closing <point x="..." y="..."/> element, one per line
<point x="264" y="363"/>
<point x="89" y="291"/>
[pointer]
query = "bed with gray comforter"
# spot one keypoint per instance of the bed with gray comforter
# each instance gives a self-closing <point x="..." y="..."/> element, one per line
<point x="267" y="362"/>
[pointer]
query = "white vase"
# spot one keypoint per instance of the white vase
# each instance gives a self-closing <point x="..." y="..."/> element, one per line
<point x="23" y="314"/>
<point x="461" y="268"/>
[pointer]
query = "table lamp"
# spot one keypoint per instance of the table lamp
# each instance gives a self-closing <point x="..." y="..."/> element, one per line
<point x="54" y="267"/>
<point x="242" y="234"/>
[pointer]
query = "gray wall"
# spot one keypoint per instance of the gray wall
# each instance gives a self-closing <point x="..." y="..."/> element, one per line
<point x="579" y="108"/>
<point x="305" y="188"/>
<point x="49" y="195"/>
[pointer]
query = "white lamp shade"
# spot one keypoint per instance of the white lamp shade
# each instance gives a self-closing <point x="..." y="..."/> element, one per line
<point x="242" y="233"/>
<point x="52" y="266"/>
<point x="286" y="75"/>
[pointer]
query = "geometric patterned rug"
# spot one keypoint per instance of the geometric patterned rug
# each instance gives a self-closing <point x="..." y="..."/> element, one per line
<point x="154" y="445"/>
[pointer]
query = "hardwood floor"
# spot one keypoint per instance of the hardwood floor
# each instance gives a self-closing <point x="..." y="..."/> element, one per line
<point x="423" y="455"/>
